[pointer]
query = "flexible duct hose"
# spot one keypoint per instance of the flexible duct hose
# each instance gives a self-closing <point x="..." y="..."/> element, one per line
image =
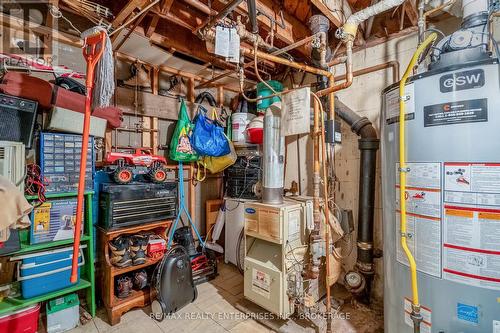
<point x="403" y="169"/>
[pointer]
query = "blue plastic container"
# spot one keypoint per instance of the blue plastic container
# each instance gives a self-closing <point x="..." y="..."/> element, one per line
<point x="44" y="272"/>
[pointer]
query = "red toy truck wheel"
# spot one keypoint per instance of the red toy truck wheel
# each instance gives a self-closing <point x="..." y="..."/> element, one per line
<point x="123" y="176"/>
<point x="158" y="174"/>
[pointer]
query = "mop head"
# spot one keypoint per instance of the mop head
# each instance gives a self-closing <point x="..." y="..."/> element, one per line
<point x="104" y="82"/>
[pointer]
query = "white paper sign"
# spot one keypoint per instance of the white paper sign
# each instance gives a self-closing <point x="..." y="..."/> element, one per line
<point x="295" y="112"/>
<point x="234" y="46"/>
<point x="222" y="41"/>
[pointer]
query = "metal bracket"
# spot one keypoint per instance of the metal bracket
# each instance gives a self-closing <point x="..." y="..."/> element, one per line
<point x="405" y="98"/>
<point x="407" y="169"/>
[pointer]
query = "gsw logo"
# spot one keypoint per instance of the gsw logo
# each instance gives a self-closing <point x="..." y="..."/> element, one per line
<point x="461" y="80"/>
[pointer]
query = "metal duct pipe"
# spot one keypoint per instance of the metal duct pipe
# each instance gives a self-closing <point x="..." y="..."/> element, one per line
<point x="273" y="158"/>
<point x="350" y="27"/>
<point x="252" y="15"/>
<point x="368" y="146"/>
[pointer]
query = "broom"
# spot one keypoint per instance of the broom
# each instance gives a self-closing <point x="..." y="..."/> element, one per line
<point x="97" y="51"/>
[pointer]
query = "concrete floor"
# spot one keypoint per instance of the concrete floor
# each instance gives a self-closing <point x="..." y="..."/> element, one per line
<point x="217" y="310"/>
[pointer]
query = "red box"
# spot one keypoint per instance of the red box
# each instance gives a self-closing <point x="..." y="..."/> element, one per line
<point x="22" y="321"/>
<point x="156" y="248"/>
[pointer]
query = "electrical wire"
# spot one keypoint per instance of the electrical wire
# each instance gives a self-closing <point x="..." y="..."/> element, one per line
<point x="34" y="184"/>
<point x="57" y="14"/>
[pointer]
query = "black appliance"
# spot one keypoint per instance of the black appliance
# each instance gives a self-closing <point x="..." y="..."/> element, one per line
<point x="203" y="264"/>
<point x="243" y="176"/>
<point x="17" y="119"/>
<point x="184" y="237"/>
<point x="173" y="283"/>
<point x="136" y="203"/>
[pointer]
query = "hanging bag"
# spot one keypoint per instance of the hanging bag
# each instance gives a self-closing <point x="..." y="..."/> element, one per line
<point x="208" y="137"/>
<point x="218" y="164"/>
<point x="181" y="149"/>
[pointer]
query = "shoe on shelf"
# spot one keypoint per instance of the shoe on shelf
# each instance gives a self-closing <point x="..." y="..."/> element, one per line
<point x="138" y="246"/>
<point x="120" y="251"/>
<point x="140" y="279"/>
<point x="123" y="287"/>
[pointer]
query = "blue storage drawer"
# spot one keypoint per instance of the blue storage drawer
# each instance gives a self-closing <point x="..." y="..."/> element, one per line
<point x="44" y="272"/>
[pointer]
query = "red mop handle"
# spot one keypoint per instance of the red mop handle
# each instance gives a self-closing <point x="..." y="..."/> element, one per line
<point x="92" y="52"/>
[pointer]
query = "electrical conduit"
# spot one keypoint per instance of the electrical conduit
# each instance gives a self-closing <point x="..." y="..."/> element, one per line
<point x="403" y="169"/>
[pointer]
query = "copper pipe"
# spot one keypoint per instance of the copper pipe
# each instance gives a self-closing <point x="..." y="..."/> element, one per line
<point x="326" y="210"/>
<point x="201" y="7"/>
<point x="337" y="61"/>
<point x="422" y="19"/>
<point x="294" y="45"/>
<point x="347" y="83"/>
<point x="390" y="64"/>
<point x="303" y="67"/>
<point x="331" y="111"/>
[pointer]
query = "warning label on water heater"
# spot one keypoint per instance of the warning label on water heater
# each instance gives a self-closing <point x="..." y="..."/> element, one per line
<point x="471" y="235"/>
<point x="470" y="111"/>
<point x="423" y="216"/>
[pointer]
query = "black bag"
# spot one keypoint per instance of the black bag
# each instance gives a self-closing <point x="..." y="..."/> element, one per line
<point x="173" y="282"/>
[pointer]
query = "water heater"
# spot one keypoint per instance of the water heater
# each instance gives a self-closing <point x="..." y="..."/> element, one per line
<point x="452" y="198"/>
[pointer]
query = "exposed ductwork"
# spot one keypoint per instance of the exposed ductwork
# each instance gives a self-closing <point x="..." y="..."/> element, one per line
<point x="350" y="27"/>
<point x="368" y="146"/>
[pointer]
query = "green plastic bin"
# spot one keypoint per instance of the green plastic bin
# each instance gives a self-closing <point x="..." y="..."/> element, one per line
<point x="263" y="91"/>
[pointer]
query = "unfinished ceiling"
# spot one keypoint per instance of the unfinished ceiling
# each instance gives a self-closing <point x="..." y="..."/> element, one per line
<point x="166" y="32"/>
<point x="172" y="25"/>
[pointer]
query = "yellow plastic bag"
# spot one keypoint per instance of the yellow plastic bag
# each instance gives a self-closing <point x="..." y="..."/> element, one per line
<point x="218" y="164"/>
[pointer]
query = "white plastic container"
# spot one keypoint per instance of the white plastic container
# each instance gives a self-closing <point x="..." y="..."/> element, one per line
<point x="240" y="121"/>
<point x="63" y="313"/>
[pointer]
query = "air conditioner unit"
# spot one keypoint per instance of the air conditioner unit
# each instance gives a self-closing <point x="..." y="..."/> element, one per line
<point x="12" y="162"/>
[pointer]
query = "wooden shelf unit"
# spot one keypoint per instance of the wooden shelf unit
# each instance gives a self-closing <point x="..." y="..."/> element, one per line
<point x="115" y="306"/>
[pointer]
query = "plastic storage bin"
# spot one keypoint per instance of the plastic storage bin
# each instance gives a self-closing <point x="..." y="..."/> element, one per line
<point x="44" y="272"/>
<point x="22" y="321"/>
<point x="62" y="313"/>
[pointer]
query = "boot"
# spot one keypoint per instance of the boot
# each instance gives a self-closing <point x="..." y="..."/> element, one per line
<point x="120" y="251"/>
<point x="123" y="287"/>
<point x="138" y="247"/>
<point x="140" y="279"/>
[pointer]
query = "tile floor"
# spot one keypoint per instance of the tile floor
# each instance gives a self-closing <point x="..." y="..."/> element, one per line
<point x="213" y="311"/>
<point x="217" y="310"/>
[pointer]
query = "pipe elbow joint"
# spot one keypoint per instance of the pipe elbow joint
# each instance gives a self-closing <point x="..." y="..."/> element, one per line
<point x="347" y="32"/>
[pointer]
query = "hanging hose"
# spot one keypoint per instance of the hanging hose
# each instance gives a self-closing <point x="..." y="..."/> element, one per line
<point x="403" y="169"/>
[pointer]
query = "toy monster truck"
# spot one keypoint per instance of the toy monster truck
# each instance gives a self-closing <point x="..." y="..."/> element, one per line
<point x="141" y="162"/>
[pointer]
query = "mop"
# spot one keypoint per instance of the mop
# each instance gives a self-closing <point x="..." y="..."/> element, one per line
<point x="96" y="46"/>
<point x="182" y="208"/>
<point x="217" y="230"/>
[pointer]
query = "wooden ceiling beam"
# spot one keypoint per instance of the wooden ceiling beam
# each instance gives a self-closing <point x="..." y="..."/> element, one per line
<point x="152" y="25"/>
<point x="165" y="6"/>
<point x="183" y="41"/>
<point x="335" y="17"/>
<point x="411" y="11"/>
<point x="293" y="30"/>
<point x="182" y="15"/>
<point x="126" y="11"/>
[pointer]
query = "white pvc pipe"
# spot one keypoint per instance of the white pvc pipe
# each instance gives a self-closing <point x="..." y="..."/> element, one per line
<point x="471" y="7"/>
